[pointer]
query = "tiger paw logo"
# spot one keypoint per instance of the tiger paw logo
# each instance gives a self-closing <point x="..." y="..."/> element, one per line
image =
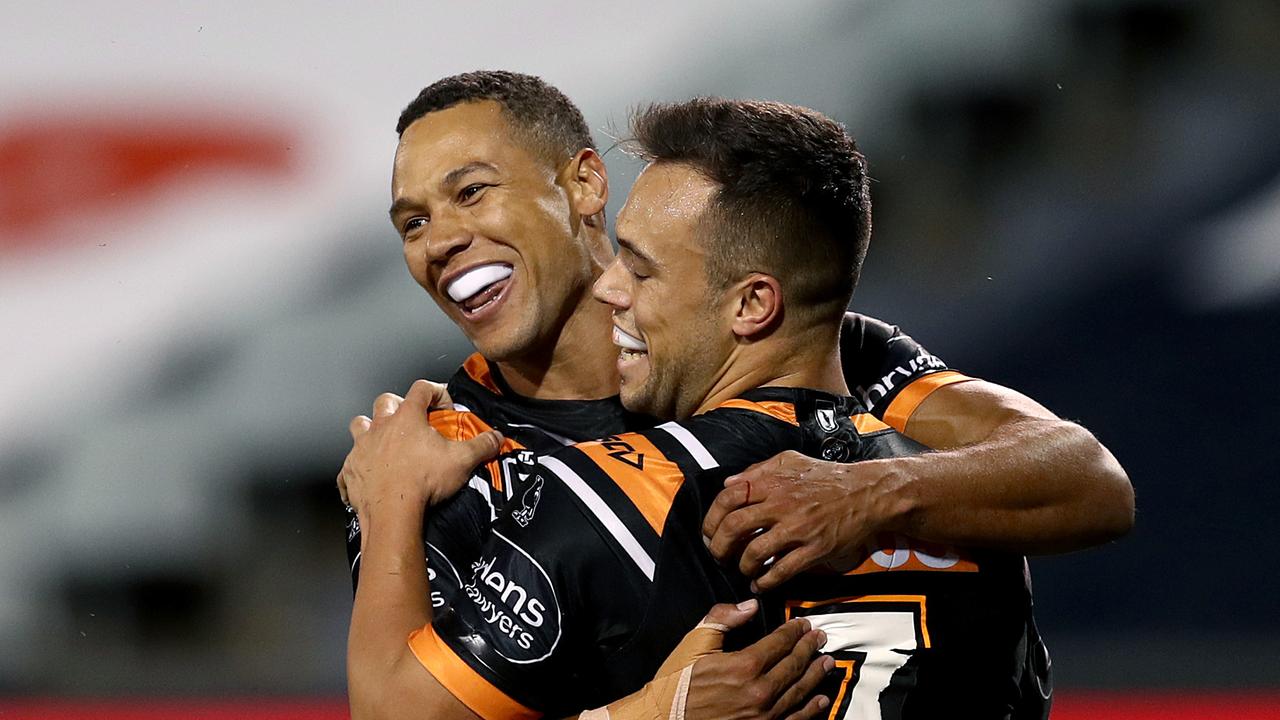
<point x="528" y="502"/>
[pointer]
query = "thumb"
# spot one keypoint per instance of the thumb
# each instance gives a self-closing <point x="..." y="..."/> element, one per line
<point x="425" y="395"/>
<point x="480" y="449"/>
<point x="708" y="636"/>
<point x="729" y="616"/>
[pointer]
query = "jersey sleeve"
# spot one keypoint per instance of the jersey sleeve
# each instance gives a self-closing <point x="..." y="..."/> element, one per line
<point x="539" y="609"/>
<point x="888" y="370"/>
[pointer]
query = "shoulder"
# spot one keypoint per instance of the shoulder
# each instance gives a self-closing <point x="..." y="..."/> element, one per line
<point x="860" y="331"/>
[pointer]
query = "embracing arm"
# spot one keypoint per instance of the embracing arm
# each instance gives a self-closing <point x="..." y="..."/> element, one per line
<point x="384" y="679"/>
<point x="1009" y="475"/>
<point x="384" y="480"/>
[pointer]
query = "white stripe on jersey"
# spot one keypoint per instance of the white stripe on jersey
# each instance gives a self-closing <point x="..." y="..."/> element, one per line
<point x="603" y="512"/>
<point x="690" y="443"/>
<point x="459" y="407"/>
<point x="485" y="489"/>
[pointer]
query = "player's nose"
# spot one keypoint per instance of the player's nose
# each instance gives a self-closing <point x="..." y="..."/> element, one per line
<point x="448" y="235"/>
<point x="610" y="289"/>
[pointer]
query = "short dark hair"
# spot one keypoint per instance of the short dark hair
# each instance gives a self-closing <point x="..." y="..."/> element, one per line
<point x="550" y="122"/>
<point x="793" y="201"/>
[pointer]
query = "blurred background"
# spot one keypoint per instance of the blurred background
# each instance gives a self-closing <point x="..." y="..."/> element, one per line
<point x="199" y="287"/>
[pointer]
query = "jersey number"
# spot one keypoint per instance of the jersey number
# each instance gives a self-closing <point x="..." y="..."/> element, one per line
<point x="871" y="638"/>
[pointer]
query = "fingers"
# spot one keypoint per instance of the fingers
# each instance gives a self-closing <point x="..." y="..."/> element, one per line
<point x="765" y="546"/>
<point x="479" y="449"/>
<point x="342" y="488"/>
<point x="425" y="395"/>
<point x="358" y="426"/>
<point x="732" y="498"/>
<point x="386" y="405"/>
<point x="795" y="668"/>
<point x="772" y="648"/>
<point x="443" y="400"/>
<point x="816" y="707"/>
<point x="732" y="616"/>
<point x="737" y="529"/>
<point x="784" y="568"/>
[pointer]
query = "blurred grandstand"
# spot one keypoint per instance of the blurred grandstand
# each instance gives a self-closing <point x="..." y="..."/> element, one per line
<point x="199" y="286"/>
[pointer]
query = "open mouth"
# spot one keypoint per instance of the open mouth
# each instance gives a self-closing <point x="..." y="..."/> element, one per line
<point x="479" y="287"/>
<point x="631" y="346"/>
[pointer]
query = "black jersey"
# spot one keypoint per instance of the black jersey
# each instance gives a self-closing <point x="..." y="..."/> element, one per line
<point x="577" y="596"/>
<point x="483" y="401"/>
<point x="886" y="368"/>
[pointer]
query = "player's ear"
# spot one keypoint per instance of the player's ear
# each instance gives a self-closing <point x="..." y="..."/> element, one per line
<point x="757" y="304"/>
<point x="587" y="181"/>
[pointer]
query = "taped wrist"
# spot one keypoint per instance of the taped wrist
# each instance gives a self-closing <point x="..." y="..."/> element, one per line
<point x="663" y="698"/>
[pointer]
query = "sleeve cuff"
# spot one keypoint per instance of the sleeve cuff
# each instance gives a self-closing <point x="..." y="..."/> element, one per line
<point x="465" y="683"/>
<point x="910" y="397"/>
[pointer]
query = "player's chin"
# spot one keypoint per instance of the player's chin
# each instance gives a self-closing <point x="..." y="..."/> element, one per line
<point x="633" y="370"/>
<point x="633" y="392"/>
<point x="506" y="339"/>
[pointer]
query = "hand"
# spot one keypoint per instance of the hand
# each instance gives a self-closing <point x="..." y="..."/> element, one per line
<point x="398" y="457"/>
<point x="386" y="405"/>
<point x="802" y="512"/>
<point x="698" y="681"/>
<point x="764" y="680"/>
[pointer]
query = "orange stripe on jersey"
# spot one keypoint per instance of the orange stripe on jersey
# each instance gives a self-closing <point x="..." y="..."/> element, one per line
<point x="456" y="425"/>
<point x="466" y="684"/>
<point x="867" y="423"/>
<point x="478" y="368"/>
<point x="910" y="397"/>
<point x="641" y="470"/>
<point x="784" y="411"/>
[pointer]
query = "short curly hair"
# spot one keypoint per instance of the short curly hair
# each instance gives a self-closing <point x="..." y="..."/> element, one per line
<point x="548" y="121"/>
<point x="794" y="200"/>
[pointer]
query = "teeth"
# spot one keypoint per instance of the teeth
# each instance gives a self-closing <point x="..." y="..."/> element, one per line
<point x="628" y="342"/>
<point x="476" y="279"/>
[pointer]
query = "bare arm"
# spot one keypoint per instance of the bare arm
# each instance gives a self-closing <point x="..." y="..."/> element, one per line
<point x="1010" y="475"/>
<point x="1013" y="476"/>
<point x="384" y="482"/>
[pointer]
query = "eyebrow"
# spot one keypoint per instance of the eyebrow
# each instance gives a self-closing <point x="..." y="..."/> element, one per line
<point x="456" y="174"/>
<point x="631" y="248"/>
<point x="451" y="177"/>
<point x="400" y="205"/>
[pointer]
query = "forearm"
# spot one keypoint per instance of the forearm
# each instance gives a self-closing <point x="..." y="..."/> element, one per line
<point x="392" y="600"/>
<point x="1033" y="486"/>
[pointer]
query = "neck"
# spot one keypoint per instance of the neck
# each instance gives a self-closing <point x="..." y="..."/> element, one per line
<point x="804" y="360"/>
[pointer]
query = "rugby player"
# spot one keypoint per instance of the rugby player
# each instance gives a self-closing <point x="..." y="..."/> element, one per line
<point x="786" y="182"/>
